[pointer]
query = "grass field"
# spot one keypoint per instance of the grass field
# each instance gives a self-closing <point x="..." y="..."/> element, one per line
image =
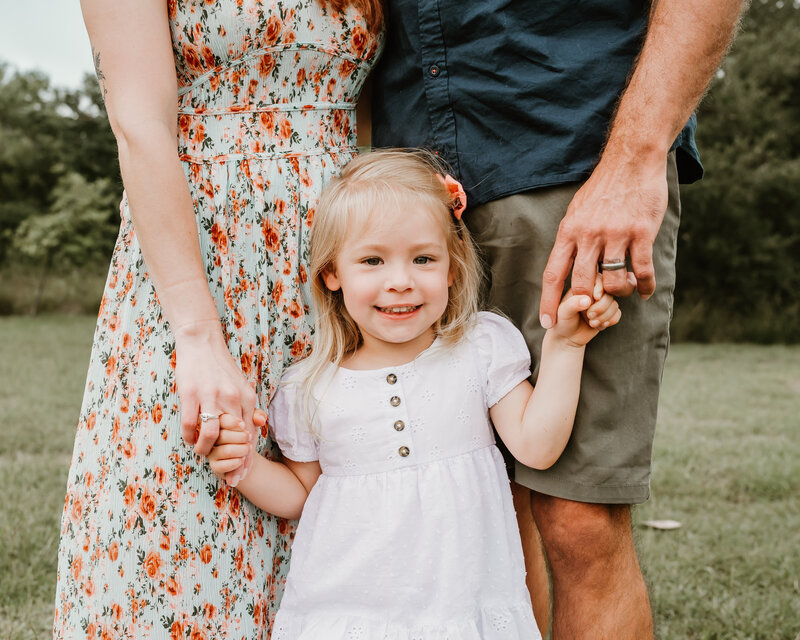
<point x="727" y="465"/>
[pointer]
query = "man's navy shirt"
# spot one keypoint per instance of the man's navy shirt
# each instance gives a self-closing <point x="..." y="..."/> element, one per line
<point x="514" y="95"/>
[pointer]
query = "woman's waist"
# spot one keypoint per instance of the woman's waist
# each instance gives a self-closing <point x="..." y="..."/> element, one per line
<point x="246" y="130"/>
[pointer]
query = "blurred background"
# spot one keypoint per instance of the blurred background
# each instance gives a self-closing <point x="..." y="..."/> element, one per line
<point x="727" y="451"/>
<point x="739" y="247"/>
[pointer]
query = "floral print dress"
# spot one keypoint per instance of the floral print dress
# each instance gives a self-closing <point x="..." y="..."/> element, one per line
<point x="152" y="544"/>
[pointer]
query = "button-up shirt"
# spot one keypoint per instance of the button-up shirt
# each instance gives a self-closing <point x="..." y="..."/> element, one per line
<point x="514" y="95"/>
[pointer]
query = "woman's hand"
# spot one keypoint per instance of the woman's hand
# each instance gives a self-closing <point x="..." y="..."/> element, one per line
<point x="209" y="381"/>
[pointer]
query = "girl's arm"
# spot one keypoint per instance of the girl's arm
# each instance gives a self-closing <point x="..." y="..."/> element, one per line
<point x="132" y="51"/>
<point x="279" y="488"/>
<point x="535" y="423"/>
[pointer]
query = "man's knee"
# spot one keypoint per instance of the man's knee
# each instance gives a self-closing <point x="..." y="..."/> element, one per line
<point x="579" y="535"/>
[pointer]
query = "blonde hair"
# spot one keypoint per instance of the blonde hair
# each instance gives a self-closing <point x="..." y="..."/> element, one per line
<point x="374" y="183"/>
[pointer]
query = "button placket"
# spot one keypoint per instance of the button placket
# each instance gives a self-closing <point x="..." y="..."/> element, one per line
<point x="399" y="424"/>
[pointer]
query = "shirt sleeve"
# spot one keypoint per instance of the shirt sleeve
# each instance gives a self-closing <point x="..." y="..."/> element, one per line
<point x="295" y="438"/>
<point x="503" y="355"/>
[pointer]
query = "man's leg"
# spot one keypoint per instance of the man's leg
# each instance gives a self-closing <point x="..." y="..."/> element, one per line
<point x="598" y="589"/>
<point x="607" y="460"/>
<point x="535" y="564"/>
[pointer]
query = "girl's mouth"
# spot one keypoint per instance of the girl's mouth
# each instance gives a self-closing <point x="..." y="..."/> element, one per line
<point x="399" y="310"/>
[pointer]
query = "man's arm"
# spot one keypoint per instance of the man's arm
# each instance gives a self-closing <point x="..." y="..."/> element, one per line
<point x="618" y="211"/>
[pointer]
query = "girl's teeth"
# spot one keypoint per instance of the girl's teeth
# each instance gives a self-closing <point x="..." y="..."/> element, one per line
<point x="398" y="309"/>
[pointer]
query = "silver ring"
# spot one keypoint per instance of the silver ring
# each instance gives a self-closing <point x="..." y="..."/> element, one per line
<point x="612" y="265"/>
<point x="205" y="417"/>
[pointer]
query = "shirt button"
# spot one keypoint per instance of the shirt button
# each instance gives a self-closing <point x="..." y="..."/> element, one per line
<point x="399" y="425"/>
<point x="391" y="378"/>
<point x="395" y="401"/>
<point x="434" y="70"/>
<point x="403" y="451"/>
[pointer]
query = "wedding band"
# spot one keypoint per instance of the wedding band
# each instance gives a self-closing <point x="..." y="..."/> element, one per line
<point x="612" y="265"/>
<point x="205" y="417"/>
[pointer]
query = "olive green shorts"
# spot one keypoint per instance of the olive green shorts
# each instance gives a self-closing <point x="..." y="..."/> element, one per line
<point x="608" y="457"/>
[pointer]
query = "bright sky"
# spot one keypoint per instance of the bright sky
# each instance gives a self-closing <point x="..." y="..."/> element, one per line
<point x="47" y="35"/>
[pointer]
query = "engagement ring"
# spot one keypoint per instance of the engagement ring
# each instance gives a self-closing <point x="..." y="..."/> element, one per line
<point x="205" y="417"/>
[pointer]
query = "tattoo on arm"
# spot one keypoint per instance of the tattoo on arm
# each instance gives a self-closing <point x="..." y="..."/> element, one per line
<point x="101" y="78"/>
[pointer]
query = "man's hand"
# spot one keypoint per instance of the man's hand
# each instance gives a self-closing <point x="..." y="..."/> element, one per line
<point x="617" y="213"/>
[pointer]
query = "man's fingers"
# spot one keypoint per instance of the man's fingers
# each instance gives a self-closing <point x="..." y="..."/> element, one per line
<point x="584" y="271"/>
<point x="553" y="278"/>
<point x="642" y="263"/>
<point x="615" y="282"/>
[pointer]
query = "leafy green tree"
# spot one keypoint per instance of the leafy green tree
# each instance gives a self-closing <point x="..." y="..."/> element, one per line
<point x="78" y="231"/>
<point x="739" y="248"/>
<point x="45" y="133"/>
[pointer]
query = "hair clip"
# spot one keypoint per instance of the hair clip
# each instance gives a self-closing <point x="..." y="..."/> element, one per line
<point x="458" y="199"/>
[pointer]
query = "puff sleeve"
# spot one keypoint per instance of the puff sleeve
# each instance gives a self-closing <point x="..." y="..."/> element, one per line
<point x="295" y="439"/>
<point x="502" y="354"/>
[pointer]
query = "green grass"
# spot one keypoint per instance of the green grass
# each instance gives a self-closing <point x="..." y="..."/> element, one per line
<point x="727" y="465"/>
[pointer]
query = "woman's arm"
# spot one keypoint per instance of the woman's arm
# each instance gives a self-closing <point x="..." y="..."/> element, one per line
<point x="133" y="56"/>
<point x="535" y="423"/>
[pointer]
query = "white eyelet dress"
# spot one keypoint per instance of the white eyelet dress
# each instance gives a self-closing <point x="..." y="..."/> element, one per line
<point x="410" y="531"/>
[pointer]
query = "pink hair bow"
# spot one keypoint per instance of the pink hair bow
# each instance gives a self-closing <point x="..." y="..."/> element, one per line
<point x="458" y="199"/>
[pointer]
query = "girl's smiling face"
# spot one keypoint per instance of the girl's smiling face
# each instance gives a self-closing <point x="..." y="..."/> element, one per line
<point x="394" y="274"/>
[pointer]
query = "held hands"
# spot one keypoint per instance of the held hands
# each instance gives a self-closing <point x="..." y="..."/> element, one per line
<point x="581" y="317"/>
<point x="209" y="381"/>
<point x="231" y="456"/>
<point x="616" y="213"/>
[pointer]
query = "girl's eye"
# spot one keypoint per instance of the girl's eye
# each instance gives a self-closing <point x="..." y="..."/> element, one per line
<point x="423" y="260"/>
<point x="372" y="262"/>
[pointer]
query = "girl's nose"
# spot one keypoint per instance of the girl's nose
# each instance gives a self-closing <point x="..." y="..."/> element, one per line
<point x="399" y="279"/>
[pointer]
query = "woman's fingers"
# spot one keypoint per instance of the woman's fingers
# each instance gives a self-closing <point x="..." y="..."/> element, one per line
<point x="189" y="408"/>
<point x="209" y="427"/>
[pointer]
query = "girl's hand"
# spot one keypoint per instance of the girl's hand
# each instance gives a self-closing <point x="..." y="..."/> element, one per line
<point x="232" y="450"/>
<point x="580" y="319"/>
<point x="235" y="473"/>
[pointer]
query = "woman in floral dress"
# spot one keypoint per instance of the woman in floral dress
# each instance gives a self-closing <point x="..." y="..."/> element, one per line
<point x="206" y="301"/>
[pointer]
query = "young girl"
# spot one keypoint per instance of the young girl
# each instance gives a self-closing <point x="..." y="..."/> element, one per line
<point x="408" y="529"/>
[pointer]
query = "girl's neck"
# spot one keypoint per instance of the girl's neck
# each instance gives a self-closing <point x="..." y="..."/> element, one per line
<point x="377" y="354"/>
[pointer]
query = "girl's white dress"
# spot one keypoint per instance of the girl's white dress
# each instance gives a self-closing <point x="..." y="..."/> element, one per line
<point x="410" y="532"/>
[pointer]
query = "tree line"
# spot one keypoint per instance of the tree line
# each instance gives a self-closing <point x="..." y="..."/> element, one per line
<point x="738" y="248"/>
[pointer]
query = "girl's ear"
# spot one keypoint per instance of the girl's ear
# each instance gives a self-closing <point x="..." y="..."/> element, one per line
<point x="331" y="280"/>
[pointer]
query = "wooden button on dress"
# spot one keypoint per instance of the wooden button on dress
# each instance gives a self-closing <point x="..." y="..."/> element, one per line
<point x="403" y="451"/>
<point x="395" y="401"/>
<point x="399" y="425"/>
<point x="391" y="378"/>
